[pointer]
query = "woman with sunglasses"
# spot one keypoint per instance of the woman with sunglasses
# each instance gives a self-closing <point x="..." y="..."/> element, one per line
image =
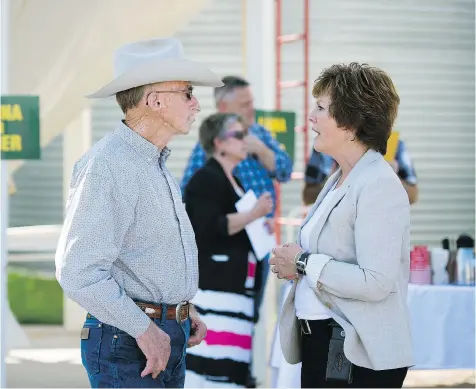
<point x="229" y="271"/>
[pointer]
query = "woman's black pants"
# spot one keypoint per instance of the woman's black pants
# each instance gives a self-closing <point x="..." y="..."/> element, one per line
<point x="315" y="348"/>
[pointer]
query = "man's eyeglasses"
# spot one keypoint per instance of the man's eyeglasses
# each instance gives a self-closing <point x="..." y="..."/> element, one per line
<point x="187" y="92"/>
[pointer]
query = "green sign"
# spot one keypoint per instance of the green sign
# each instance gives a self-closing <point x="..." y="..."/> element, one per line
<point x="281" y="125"/>
<point x="20" y="127"/>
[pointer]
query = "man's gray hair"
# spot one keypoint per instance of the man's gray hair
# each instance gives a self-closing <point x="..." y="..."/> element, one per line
<point x="230" y="84"/>
<point x="130" y="98"/>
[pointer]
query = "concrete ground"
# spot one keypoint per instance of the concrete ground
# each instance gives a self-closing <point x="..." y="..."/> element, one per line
<point x="53" y="361"/>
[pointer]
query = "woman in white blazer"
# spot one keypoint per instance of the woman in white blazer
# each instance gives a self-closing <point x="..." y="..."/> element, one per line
<point x="346" y="316"/>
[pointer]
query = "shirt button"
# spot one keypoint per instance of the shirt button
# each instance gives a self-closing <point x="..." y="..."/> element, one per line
<point x="319" y="286"/>
<point x="342" y="333"/>
<point x="328" y="305"/>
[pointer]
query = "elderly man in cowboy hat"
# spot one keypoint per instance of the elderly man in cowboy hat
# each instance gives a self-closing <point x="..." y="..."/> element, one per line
<point x="127" y="251"/>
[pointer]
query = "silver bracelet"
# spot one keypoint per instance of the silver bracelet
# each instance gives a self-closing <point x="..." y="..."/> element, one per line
<point x="298" y="254"/>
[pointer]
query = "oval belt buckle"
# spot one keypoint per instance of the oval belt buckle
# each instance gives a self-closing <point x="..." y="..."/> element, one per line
<point x="178" y="309"/>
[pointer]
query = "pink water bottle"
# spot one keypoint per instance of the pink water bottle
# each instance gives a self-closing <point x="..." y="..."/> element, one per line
<point x="420" y="270"/>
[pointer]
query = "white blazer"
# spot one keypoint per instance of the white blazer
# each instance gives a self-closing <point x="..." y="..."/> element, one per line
<point x="359" y="267"/>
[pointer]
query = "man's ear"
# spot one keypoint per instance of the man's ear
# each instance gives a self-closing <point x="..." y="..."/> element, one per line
<point x="153" y="100"/>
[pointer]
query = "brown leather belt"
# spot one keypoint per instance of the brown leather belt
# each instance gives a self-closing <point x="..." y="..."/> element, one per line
<point x="179" y="312"/>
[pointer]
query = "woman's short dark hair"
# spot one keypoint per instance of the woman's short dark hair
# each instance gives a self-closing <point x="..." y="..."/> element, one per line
<point x="215" y="126"/>
<point x="363" y="98"/>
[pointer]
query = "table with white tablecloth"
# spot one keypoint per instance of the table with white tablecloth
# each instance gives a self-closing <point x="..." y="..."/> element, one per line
<point x="443" y="331"/>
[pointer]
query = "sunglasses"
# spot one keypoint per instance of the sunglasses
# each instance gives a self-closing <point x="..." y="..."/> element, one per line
<point x="187" y="92"/>
<point x="240" y="135"/>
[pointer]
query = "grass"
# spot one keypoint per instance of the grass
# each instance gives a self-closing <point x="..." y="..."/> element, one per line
<point x="35" y="299"/>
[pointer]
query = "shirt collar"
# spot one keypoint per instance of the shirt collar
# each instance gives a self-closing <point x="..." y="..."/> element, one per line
<point x="142" y="146"/>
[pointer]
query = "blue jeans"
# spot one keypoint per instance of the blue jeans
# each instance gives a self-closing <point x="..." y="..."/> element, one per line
<point x="113" y="360"/>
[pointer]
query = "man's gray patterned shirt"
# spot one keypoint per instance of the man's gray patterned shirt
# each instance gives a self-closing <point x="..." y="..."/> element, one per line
<point x="126" y="234"/>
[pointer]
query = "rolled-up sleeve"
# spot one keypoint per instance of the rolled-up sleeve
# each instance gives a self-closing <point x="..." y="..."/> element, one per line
<point x="98" y="216"/>
<point x="315" y="265"/>
<point x="381" y="226"/>
<point x="283" y="162"/>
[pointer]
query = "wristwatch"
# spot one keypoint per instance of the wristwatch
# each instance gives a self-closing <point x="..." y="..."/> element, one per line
<point x="301" y="263"/>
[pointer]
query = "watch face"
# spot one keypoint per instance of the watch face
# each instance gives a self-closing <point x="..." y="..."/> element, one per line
<point x="300" y="265"/>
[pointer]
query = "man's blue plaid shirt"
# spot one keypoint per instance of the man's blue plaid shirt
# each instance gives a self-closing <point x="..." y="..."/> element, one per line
<point x="251" y="172"/>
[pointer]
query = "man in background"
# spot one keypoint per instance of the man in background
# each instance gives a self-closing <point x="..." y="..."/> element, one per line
<point x="321" y="166"/>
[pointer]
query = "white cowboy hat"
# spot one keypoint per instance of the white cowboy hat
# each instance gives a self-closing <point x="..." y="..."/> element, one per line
<point x="151" y="61"/>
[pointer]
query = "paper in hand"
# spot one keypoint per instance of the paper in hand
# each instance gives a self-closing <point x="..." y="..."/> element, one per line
<point x="261" y="240"/>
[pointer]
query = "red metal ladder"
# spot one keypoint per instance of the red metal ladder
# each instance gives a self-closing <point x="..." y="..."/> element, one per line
<point x="280" y="85"/>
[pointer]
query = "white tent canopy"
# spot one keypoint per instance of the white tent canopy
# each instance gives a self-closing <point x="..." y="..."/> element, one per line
<point x="62" y="50"/>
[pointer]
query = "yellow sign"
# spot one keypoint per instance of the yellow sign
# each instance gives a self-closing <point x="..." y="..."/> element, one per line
<point x="281" y="126"/>
<point x="392" y="146"/>
<point x="273" y="124"/>
<point x="19" y="127"/>
<point x="10" y="113"/>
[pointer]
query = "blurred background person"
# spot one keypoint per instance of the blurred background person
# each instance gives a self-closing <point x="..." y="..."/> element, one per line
<point x="403" y="166"/>
<point x="265" y="160"/>
<point x="321" y="166"/>
<point x="352" y="256"/>
<point x="318" y="170"/>
<point x="229" y="271"/>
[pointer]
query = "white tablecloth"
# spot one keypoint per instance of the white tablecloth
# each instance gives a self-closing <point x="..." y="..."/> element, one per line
<point x="443" y="332"/>
<point x="442" y="326"/>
